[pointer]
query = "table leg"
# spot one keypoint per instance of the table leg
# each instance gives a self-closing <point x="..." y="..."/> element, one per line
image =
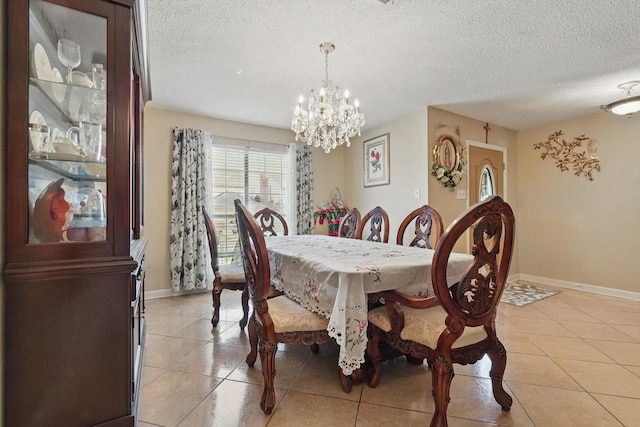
<point x="357" y="377"/>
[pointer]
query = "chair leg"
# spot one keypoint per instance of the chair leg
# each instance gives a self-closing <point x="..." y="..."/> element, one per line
<point x="345" y="381"/>
<point x="245" y="307"/>
<point x="441" y="376"/>
<point x="253" y="341"/>
<point x="267" y="351"/>
<point x="215" y="294"/>
<point x="373" y="352"/>
<point x="498" y="356"/>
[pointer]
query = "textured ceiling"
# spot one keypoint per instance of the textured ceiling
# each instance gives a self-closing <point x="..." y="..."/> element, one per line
<point x="511" y="63"/>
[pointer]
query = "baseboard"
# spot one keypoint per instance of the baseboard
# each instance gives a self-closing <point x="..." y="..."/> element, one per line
<point x="619" y="293"/>
<point x="166" y="293"/>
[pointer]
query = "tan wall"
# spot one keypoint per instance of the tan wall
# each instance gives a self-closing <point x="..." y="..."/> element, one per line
<point x="443" y="199"/>
<point x="560" y="218"/>
<point x="328" y="174"/>
<point x="573" y="229"/>
<point x="157" y="177"/>
<point x="407" y="171"/>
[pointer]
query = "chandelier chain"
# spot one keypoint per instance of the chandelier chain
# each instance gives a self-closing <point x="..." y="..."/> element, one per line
<point x="326" y="65"/>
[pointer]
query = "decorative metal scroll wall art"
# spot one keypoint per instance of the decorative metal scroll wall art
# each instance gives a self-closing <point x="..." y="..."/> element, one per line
<point x="579" y="154"/>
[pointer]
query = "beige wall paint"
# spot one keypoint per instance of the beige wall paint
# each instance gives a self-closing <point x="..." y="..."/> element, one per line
<point x="408" y="170"/>
<point x="546" y="202"/>
<point x="157" y="177"/>
<point x="575" y="230"/>
<point x="328" y="173"/>
<point x="443" y="199"/>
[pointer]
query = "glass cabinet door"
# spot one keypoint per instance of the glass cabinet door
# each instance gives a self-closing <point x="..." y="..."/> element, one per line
<point x="67" y="125"/>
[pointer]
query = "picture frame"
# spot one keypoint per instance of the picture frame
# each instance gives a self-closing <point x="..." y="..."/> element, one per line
<point x="446" y="152"/>
<point x="376" y="161"/>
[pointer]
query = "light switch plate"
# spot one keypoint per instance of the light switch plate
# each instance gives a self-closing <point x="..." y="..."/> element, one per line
<point x="462" y="194"/>
<point x="416" y="193"/>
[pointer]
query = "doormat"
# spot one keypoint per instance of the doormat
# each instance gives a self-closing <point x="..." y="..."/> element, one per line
<point x="519" y="294"/>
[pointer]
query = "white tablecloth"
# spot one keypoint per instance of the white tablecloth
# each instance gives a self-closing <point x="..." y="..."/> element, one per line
<point x="332" y="276"/>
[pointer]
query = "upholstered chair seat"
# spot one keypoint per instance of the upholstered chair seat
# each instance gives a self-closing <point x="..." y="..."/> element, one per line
<point x="425" y="326"/>
<point x="289" y="316"/>
<point x="273" y="320"/>
<point x="231" y="273"/>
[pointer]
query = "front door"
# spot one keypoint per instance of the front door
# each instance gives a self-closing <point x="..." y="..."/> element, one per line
<point x="486" y="170"/>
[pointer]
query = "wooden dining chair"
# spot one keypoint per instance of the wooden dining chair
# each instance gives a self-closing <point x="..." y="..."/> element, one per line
<point x="458" y="324"/>
<point x="349" y="224"/>
<point x="275" y="320"/>
<point x="427" y="227"/>
<point x="378" y="222"/>
<point x="226" y="276"/>
<point x="270" y="221"/>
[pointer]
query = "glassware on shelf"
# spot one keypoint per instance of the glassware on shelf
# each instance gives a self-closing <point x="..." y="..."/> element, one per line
<point x="89" y="216"/>
<point x="69" y="55"/>
<point x="99" y="75"/>
<point x="87" y="140"/>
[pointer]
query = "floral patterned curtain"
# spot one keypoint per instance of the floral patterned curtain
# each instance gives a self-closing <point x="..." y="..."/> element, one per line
<point x="188" y="247"/>
<point x="304" y="189"/>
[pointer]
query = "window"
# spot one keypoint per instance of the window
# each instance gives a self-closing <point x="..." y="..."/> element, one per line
<point x="258" y="174"/>
<point x="486" y="184"/>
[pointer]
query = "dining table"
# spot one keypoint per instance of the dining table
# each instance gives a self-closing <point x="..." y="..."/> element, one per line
<point x="333" y="276"/>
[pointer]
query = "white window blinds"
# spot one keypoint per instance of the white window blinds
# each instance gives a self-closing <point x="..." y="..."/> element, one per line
<point x="257" y="173"/>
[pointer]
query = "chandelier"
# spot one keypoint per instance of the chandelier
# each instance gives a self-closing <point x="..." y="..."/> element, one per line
<point x="625" y="106"/>
<point x="331" y="119"/>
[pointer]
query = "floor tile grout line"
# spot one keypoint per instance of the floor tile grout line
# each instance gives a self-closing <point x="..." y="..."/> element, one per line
<point x="519" y="331"/>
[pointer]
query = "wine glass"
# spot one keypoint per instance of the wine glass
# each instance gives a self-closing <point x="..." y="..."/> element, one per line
<point x="69" y="55"/>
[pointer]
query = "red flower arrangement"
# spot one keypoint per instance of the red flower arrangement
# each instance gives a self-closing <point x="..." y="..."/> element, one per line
<point x="332" y="215"/>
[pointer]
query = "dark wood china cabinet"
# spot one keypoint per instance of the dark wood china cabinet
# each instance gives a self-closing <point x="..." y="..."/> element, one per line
<point x="76" y="82"/>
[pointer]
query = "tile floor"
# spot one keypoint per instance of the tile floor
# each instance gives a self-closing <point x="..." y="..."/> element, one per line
<point x="573" y="360"/>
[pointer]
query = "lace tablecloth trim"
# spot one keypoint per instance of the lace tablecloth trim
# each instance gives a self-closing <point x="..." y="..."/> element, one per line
<point x="313" y="307"/>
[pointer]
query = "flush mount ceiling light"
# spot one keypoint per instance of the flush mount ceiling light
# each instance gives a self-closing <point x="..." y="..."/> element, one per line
<point x="331" y="119"/>
<point x="626" y="106"/>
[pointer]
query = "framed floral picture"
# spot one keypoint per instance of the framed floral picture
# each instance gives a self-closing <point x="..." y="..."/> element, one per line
<point x="376" y="161"/>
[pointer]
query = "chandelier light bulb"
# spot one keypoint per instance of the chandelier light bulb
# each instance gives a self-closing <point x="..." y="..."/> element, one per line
<point x="330" y="120"/>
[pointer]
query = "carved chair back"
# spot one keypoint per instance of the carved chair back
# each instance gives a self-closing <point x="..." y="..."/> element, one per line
<point x="427" y="227"/>
<point x="349" y="224"/>
<point x="213" y="241"/>
<point x="285" y="321"/>
<point x="458" y="324"/>
<point x="476" y="295"/>
<point x="254" y="258"/>
<point x="378" y="222"/>
<point x="227" y="276"/>
<point x="271" y="220"/>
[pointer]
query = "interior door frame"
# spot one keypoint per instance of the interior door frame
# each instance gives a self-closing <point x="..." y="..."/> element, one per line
<point x="493" y="147"/>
